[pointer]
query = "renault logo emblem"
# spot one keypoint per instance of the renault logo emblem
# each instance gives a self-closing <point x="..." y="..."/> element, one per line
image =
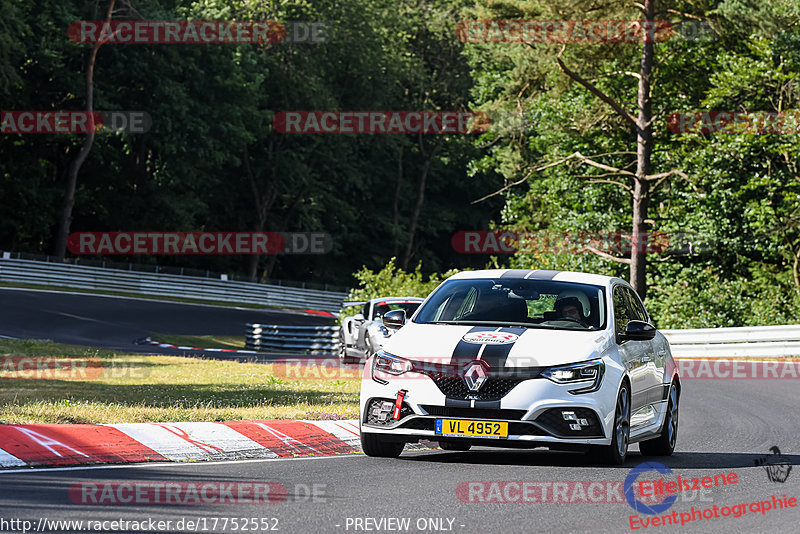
<point x="475" y="375"/>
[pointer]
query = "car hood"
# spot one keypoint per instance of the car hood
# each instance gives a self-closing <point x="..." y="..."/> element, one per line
<point x="525" y="347"/>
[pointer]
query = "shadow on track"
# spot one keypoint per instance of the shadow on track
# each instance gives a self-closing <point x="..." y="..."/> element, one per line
<point x="544" y="458"/>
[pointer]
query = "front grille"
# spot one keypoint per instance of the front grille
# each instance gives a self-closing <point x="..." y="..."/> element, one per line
<point x="494" y="388"/>
<point x="373" y="418"/>
<point x="553" y="420"/>
<point x="474" y="413"/>
<point x="449" y="378"/>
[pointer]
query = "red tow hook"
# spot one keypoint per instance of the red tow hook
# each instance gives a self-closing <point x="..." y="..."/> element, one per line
<point x="398" y="404"/>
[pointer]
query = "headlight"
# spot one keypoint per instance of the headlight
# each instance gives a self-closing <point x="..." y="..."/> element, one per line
<point x="384" y="331"/>
<point x="591" y="371"/>
<point x="387" y="363"/>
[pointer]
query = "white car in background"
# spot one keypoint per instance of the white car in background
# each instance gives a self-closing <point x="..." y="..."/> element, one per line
<point x="364" y="333"/>
<point x="523" y="358"/>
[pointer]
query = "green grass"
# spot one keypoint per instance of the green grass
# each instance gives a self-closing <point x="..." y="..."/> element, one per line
<point x="110" y="387"/>
<point x="203" y="342"/>
<point x="140" y="296"/>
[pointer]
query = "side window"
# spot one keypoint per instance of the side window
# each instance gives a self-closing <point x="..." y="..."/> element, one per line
<point x="621" y="314"/>
<point x="365" y="311"/>
<point x="637" y="308"/>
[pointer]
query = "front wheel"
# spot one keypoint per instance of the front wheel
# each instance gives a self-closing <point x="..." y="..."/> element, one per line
<point x="664" y="444"/>
<point x="617" y="452"/>
<point x="343" y="357"/>
<point x="376" y="445"/>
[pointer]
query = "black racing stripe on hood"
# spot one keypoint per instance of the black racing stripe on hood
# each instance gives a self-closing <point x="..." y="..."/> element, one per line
<point x="496" y="355"/>
<point x="515" y="273"/>
<point x="466" y="352"/>
<point x="543" y="274"/>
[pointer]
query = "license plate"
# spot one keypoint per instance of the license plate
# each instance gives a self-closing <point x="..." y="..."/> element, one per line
<point x="465" y="427"/>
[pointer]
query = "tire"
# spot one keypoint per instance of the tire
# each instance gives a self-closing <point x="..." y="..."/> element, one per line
<point x="664" y="444"/>
<point x="617" y="452"/>
<point x="342" y="347"/>
<point x="447" y="446"/>
<point x="343" y="357"/>
<point x="375" y="445"/>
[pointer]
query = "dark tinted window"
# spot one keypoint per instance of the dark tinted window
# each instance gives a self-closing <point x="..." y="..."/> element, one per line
<point x="637" y="310"/>
<point x="382" y="307"/>
<point x="621" y="314"/>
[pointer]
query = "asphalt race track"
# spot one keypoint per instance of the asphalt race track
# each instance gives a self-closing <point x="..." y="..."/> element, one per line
<point x="725" y="426"/>
<point x="115" y="323"/>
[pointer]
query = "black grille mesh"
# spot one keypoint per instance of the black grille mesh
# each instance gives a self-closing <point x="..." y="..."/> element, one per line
<point x="494" y="388"/>
<point x="474" y="413"/>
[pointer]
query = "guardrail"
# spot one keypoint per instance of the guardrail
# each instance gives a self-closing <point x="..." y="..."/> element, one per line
<point x="98" y="278"/>
<point x="740" y="342"/>
<point x="271" y="337"/>
<point x="744" y="342"/>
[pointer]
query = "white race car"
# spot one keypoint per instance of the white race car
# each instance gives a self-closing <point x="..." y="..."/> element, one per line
<point x="523" y="358"/>
<point x="363" y="334"/>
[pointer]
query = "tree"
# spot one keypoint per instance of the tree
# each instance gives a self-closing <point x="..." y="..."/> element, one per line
<point x="75" y="165"/>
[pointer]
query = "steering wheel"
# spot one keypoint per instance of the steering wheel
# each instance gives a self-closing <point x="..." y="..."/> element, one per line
<point x="568" y="318"/>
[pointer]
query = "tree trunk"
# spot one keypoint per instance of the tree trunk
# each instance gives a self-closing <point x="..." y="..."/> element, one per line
<point x="72" y="176"/>
<point x="644" y="149"/>
<point x="396" y="204"/>
<point x="263" y="203"/>
<point x="423" y="180"/>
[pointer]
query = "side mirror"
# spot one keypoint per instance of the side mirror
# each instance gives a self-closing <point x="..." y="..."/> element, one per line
<point x="358" y="317"/>
<point x="638" y="331"/>
<point x="394" y="319"/>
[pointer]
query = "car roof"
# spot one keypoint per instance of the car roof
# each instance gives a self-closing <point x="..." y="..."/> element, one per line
<point x="539" y="274"/>
<point x="397" y="300"/>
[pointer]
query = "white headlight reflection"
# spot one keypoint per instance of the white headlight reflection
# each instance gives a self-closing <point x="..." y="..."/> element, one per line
<point x="591" y="371"/>
<point x="388" y="364"/>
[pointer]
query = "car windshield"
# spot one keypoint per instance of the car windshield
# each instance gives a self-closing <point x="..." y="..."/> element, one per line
<point x="504" y="302"/>
<point x="382" y="307"/>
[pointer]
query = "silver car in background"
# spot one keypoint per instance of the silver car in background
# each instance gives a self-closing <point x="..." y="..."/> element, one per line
<point x="363" y="334"/>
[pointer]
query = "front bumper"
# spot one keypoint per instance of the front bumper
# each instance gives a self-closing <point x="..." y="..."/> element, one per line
<point x="532" y="407"/>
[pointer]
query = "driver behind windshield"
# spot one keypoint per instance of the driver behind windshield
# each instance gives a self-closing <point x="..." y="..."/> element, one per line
<point x="570" y="308"/>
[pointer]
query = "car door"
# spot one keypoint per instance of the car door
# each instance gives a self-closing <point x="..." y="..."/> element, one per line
<point x="632" y="353"/>
<point x="361" y="326"/>
<point x="654" y="361"/>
